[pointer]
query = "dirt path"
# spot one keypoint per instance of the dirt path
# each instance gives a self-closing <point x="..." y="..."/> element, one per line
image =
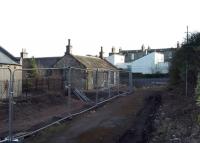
<point x="108" y="124"/>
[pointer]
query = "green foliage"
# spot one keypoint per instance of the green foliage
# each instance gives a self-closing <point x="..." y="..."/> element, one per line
<point x="187" y="57"/>
<point x="197" y="94"/>
<point x="198" y="119"/>
<point x="34" y="72"/>
<point x="197" y="91"/>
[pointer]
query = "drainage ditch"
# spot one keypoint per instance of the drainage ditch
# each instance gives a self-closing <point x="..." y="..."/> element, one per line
<point x="141" y="130"/>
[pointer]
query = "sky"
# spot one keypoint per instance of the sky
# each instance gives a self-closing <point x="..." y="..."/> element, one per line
<point x="42" y="27"/>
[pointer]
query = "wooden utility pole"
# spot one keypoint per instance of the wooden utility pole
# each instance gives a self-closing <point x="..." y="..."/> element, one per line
<point x="187" y="35"/>
<point x="186" y="69"/>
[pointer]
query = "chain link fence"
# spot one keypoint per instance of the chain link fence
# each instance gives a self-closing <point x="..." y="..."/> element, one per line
<point x="32" y="99"/>
<point x="44" y="96"/>
<point x="5" y="101"/>
<point x="149" y="82"/>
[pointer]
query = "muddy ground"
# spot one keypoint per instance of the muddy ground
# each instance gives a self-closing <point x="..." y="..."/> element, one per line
<point x="34" y="112"/>
<point x="146" y="116"/>
<point x="39" y="109"/>
<point x="177" y="119"/>
<point x="123" y="120"/>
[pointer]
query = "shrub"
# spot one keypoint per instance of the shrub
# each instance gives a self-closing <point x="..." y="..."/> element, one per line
<point x="186" y="58"/>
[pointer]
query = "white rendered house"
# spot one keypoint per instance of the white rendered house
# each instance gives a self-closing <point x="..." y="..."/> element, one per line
<point x="149" y="64"/>
<point x="117" y="60"/>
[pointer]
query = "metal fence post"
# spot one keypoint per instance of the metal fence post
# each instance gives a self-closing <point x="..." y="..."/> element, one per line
<point x="69" y="90"/>
<point x="97" y="87"/>
<point x="10" y="112"/>
<point x="118" y="82"/>
<point x="130" y="82"/>
<point x="109" y="81"/>
<point x="11" y="88"/>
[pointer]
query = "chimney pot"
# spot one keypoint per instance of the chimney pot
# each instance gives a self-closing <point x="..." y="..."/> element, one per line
<point x="120" y="49"/>
<point x="101" y="53"/>
<point x="68" y="48"/>
<point x="143" y="48"/>
<point x="24" y="54"/>
<point x="113" y="50"/>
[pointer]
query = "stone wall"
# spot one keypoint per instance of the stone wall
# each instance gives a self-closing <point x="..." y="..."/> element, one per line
<point x="78" y="75"/>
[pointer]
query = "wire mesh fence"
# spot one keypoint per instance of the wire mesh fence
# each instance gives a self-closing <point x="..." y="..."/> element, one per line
<point x="43" y="96"/>
<point x="5" y="101"/>
<point x="5" y="76"/>
<point x="40" y="97"/>
<point x="149" y="82"/>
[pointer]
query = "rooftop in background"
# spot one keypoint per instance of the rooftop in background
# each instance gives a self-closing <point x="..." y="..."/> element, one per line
<point x="150" y="50"/>
<point x="7" y="58"/>
<point x="42" y="62"/>
<point x="132" y="55"/>
<point x="94" y="62"/>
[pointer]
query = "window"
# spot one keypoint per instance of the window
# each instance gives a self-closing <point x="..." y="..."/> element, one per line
<point x="170" y="55"/>
<point x="132" y="56"/>
<point x="129" y="67"/>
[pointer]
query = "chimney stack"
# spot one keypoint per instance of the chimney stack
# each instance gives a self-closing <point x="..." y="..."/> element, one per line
<point x="120" y="49"/>
<point x="24" y="54"/>
<point x="101" y="53"/>
<point x="68" y="48"/>
<point x="143" y="48"/>
<point x="113" y="50"/>
<point x="149" y="48"/>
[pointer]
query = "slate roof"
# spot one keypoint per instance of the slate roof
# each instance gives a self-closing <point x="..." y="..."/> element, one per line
<point x="7" y="58"/>
<point x="87" y="61"/>
<point x="44" y="62"/>
<point x="94" y="62"/>
<point x="149" y="50"/>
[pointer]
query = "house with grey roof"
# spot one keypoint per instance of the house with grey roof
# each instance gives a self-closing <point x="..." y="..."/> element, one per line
<point x="132" y="55"/>
<point x="42" y="62"/>
<point x="8" y="61"/>
<point x="89" y="72"/>
<point x="83" y="69"/>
